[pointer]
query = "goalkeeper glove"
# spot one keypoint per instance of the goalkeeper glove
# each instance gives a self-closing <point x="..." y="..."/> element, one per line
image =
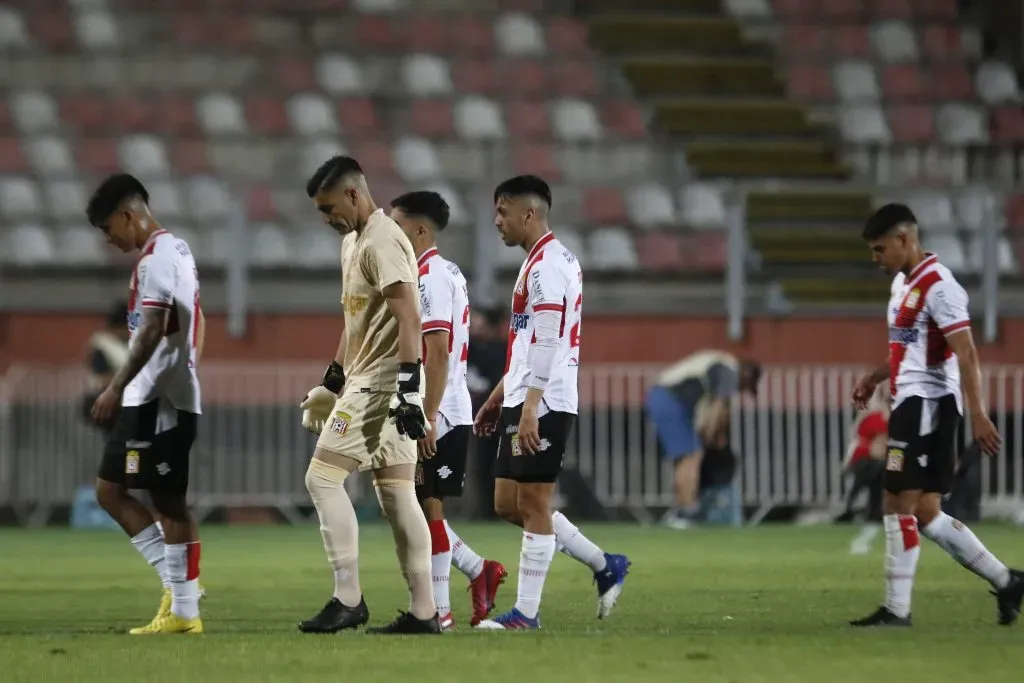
<point x="406" y="410"/>
<point x="320" y="400"/>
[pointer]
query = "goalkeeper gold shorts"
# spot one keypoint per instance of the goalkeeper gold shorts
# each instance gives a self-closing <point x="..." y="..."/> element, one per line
<point x="359" y="428"/>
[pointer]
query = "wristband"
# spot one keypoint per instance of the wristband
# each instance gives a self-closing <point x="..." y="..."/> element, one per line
<point x="409" y="378"/>
<point x="334" y="377"/>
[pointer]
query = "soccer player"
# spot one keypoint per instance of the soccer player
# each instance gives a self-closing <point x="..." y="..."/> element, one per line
<point x="933" y="372"/>
<point x="157" y="390"/>
<point x="368" y="411"/>
<point x="441" y="473"/>
<point x="536" y="403"/>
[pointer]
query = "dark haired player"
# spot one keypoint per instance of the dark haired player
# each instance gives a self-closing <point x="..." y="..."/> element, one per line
<point x="158" y="393"/>
<point x="441" y="473"/>
<point x="368" y="412"/>
<point x="536" y="404"/>
<point x="932" y="359"/>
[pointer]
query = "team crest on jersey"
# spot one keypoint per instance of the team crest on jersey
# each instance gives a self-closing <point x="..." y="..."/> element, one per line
<point x="894" y="460"/>
<point x="340" y="422"/>
<point x="912" y="298"/>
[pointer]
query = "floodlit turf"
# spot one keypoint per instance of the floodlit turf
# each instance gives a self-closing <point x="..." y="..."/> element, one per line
<point x="766" y="604"/>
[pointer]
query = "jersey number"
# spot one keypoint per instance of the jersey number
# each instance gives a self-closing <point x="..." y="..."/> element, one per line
<point x="464" y="356"/>
<point x="574" y="333"/>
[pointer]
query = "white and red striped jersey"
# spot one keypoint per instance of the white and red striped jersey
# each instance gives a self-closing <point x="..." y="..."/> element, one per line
<point x="165" y="277"/>
<point x="925" y="307"/>
<point x="444" y="305"/>
<point x="549" y="280"/>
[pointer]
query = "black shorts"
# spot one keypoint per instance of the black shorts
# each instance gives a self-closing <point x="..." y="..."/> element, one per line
<point x="923" y="462"/>
<point x="139" y="458"/>
<point x="543" y="467"/>
<point x="444" y="475"/>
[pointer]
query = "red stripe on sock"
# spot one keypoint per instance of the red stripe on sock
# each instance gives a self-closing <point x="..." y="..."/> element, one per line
<point x="908" y="527"/>
<point x="192" y="560"/>
<point x="439" y="542"/>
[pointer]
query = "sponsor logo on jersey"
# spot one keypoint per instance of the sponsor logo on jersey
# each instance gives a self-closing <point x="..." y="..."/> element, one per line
<point x="354" y="303"/>
<point x="519" y="322"/>
<point x="903" y="335"/>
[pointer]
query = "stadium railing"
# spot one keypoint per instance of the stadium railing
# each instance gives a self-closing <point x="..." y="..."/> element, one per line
<point x="251" y="452"/>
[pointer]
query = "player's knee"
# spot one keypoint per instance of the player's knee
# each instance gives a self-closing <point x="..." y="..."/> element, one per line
<point x="109" y="495"/>
<point x="172" y="506"/>
<point x="323" y="477"/>
<point x="507" y="508"/>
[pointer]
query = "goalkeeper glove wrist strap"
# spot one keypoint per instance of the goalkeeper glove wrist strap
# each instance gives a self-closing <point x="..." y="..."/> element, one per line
<point x="334" y="377"/>
<point x="409" y="378"/>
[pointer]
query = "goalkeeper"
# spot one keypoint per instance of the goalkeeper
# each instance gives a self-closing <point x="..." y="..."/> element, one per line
<point x="368" y="410"/>
<point x="688" y="404"/>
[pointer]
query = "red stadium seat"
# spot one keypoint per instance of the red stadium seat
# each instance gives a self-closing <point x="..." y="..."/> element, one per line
<point x="295" y="74"/>
<point x="952" y="82"/>
<point x="189" y="157"/>
<point x="804" y="39"/>
<point x="1015" y="212"/>
<point x="604" y="206"/>
<point x="575" y="79"/>
<point x="941" y="43"/>
<point x="851" y="41"/>
<point x="427" y="33"/>
<point x="475" y="77"/>
<point x="472" y="36"/>
<point x="810" y="83"/>
<point x="375" y="158"/>
<point x="377" y="32"/>
<point x="888" y="9"/>
<point x="266" y="114"/>
<point x="567" y="37"/>
<point x="902" y="82"/>
<point x="97" y="155"/>
<point x="175" y="114"/>
<point x="1008" y="124"/>
<point x="528" y="121"/>
<point x="935" y="10"/>
<point x="131" y="113"/>
<point x="432" y="118"/>
<point x="358" y="116"/>
<point x="705" y="251"/>
<point x="659" y="251"/>
<point x="797" y="9"/>
<point x="525" y="77"/>
<point x="6" y="122"/>
<point x="912" y="123"/>
<point x="52" y="29"/>
<point x="536" y="159"/>
<point x="86" y="113"/>
<point x="260" y="204"/>
<point x="12" y="156"/>
<point x="624" y="119"/>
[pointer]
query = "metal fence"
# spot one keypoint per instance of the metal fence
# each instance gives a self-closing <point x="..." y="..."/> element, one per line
<point x="790" y="440"/>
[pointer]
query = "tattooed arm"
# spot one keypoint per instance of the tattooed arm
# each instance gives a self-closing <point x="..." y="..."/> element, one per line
<point x="154" y="324"/>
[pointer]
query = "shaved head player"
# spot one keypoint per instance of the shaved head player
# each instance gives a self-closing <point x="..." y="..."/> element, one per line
<point x="536" y="403"/>
<point x="158" y="391"/>
<point x="368" y="412"/>
<point x="444" y="305"/>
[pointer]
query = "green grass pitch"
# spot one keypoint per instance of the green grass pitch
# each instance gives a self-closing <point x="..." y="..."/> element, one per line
<point x="711" y="605"/>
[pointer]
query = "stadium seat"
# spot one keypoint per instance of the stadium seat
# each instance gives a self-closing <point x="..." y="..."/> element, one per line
<point x="269" y="246"/>
<point x="809" y="82"/>
<point x="1006" y="261"/>
<point x="624" y="119"/>
<point x="426" y="75"/>
<point x="611" y="249"/>
<point x="97" y="155"/>
<point x="976" y="206"/>
<point x="12" y="29"/>
<point x="518" y="35"/>
<point x="1008" y="124"/>
<point x="84" y="112"/>
<point x="27" y="245"/>
<point x="912" y="123"/>
<point x="479" y="118"/>
<point x="997" y="84"/>
<point x="144" y="156"/>
<point x="377" y="6"/>
<point x="650" y="205"/>
<point x="427" y="33"/>
<point x="19" y="198"/>
<point x="750" y="9"/>
<point x="131" y="114"/>
<point x="575" y="79"/>
<point x="339" y="75"/>
<point x="208" y="199"/>
<point x="528" y="121"/>
<point x="96" y="29"/>
<point x="864" y="125"/>
<point x="458" y="214"/>
<point x="66" y="199"/>
<point x="902" y="82"/>
<point x="358" y="116"/>
<point x="80" y="246"/>
<point x="266" y="115"/>
<point x="961" y="124"/>
<point x="576" y="121"/>
<point x="941" y="42"/>
<point x="294" y="74"/>
<point x="851" y="40"/>
<point x="604" y="205"/>
<point x="949" y="249"/>
<point x="1015" y="212"/>
<point x="855" y="81"/>
<point x="659" y="251"/>
<point x="475" y="77"/>
<point x="316" y="247"/>
<point x="567" y="37"/>
<point x="525" y="77"/>
<point x="416" y="160"/>
<point x="702" y="206"/>
<point x="165" y="199"/>
<point x="34" y="112"/>
<point x="50" y="156"/>
<point x="311" y="115"/>
<point x="572" y="241"/>
<point x="432" y="118"/>
<point x="894" y="41"/>
<point x="220" y="114"/>
<point x="934" y="210"/>
<point x="538" y="160"/>
<point x="952" y="81"/>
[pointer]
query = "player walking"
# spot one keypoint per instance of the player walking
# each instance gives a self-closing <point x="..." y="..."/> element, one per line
<point x="536" y="403"/>
<point x="158" y="391"/>
<point x="441" y="473"/>
<point x="370" y="421"/>
<point x="931" y="359"/>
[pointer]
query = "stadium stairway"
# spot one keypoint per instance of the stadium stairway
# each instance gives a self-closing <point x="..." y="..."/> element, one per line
<point x="718" y="93"/>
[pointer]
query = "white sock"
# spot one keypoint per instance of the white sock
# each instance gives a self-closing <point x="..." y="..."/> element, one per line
<point x="463" y="557"/>
<point x="902" y="548"/>
<point x="440" y="565"/>
<point x="534" y="560"/>
<point x="577" y="546"/>
<point x="960" y="542"/>
<point x="183" y="570"/>
<point x="150" y="544"/>
<point x="160" y="527"/>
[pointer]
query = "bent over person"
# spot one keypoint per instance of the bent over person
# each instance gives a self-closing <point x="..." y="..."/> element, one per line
<point x="368" y="411"/>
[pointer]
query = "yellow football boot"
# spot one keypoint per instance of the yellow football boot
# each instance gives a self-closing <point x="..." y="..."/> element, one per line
<point x="170" y="624"/>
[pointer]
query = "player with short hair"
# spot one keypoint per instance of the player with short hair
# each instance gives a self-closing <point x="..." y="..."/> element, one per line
<point x="368" y="411"/>
<point x="933" y="370"/>
<point x="536" y="403"/>
<point x="157" y="390"/>
<point x="441" y="472"/>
